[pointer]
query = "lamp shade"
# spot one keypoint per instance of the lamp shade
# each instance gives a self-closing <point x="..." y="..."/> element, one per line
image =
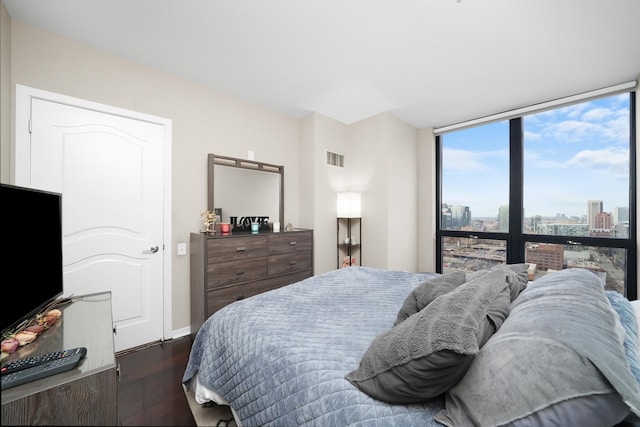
<point x="349" y="205"/>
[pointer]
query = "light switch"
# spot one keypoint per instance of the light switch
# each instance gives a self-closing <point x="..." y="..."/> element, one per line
<point x="182" y="248"/>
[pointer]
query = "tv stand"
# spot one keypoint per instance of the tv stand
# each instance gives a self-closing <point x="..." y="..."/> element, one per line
<point x="85" y="395"/>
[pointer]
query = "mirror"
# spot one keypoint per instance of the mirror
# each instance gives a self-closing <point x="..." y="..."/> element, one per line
<point x="245" y="189"/>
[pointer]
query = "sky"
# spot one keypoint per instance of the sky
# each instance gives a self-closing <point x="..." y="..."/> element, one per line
<point x="571" y="155"/>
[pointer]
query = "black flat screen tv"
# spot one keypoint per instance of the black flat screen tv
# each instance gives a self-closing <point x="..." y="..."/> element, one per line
<point x="31" y="254"/>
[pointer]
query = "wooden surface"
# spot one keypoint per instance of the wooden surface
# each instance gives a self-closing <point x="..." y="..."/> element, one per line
<point x="85" y="395"/>
<point x="150" y="391"/>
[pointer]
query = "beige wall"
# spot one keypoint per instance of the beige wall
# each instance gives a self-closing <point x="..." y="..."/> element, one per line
<point x="426" y="200"/>
<point x="383" y="164"/>
<point x="207" y="121"/>
<point x="5" y="94"/>
<point x="318" y="196"/>
<point x="204" y="121"/>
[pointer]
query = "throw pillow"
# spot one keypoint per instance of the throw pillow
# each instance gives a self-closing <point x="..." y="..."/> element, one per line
<point x="517" y="276"/>
<point x="422" y="295"/>
<point x="430" y="351"/>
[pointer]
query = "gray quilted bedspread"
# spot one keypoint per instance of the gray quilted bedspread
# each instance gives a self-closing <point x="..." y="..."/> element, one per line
<point x="279" y="358"/>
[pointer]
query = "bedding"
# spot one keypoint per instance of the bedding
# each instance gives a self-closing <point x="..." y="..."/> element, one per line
<point x="563" y="330"/>
<point x="282" y="357"/>
<point x="428" y="353"/>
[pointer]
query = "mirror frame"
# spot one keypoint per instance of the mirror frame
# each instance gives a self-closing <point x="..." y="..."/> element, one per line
<point x="213" y="160"/>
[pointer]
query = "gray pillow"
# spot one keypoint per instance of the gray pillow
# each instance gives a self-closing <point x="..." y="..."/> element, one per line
<point x="422" y="295"/>
<point x="430" y="351"/>
<point x="517" y="276"/>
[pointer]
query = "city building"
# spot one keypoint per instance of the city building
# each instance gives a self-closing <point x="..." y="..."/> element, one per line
<point x="546" y="256"/>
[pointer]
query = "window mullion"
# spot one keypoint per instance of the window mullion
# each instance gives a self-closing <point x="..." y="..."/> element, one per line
<point x="515" y="241"/>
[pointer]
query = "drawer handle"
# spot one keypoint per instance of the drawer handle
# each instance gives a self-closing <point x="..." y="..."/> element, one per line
<point x="240" y="249"/>
<point x="239" y="272"/>
<point x="292" y="243"/>
<point x="292" y="262"/>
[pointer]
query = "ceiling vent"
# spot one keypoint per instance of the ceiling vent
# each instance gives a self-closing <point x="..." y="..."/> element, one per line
<point x="335" y="159"/>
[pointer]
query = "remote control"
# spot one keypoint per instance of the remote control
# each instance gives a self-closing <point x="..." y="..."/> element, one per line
<point x="29" y="362"/>
<point x="43" y="370"/>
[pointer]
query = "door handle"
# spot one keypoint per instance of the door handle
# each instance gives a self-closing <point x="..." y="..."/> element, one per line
<point x="152" y="250"/>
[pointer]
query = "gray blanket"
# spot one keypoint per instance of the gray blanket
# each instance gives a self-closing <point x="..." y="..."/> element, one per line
<point x="559" y="342"/>
<point x="280" y="357"/>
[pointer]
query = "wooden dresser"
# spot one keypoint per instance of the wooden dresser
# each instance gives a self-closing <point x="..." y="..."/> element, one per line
<point x="229" y="268"/>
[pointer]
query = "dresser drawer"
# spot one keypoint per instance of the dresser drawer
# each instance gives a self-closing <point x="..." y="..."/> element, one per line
<point x="225" y="269"/>
<point x="286" y="243"/>
<point x="231" y="272"/>
<point x="236" y="248"/>
<point x="218" y="298"/>
<point x="289" y="263"/>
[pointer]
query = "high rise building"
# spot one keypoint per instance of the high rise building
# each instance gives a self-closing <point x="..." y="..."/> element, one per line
<point x="620" y="215"/>
<point x="536" y="223"/>
<point x="503" y="218"/>
<point x="594" y="207"/>
<point x="603" y="221"/>
<point x="460" y="216"/>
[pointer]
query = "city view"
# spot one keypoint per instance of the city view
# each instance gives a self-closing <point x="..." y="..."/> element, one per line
<point x="573" y="167"/>
<point x="473" y="254"/>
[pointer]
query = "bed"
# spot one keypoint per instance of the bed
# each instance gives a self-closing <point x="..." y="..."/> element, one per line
<point x="370" y="347"/>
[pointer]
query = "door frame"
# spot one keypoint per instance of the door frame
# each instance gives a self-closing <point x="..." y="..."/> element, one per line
<point x="22" y="153"/>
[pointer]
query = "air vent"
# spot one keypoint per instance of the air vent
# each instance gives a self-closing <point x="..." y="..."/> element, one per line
<point x="335" y="159"/>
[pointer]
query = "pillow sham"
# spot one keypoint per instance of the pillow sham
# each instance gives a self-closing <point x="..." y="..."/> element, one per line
<point x="517" y="277"/>
<point x="423" y="294"/>
<point x="557" y="354"/>
<point x="430" y="351"/>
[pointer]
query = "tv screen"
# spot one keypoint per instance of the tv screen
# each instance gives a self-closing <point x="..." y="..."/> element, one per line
<point x="31" y="233"/>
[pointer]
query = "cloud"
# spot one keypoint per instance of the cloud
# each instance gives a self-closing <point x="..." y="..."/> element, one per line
<point x="462" y="160"/>
<point x="597" y="114"/>
<point x="530" y="135"/>
<point x="596" y="122"/>
<point x="608" y="157"/>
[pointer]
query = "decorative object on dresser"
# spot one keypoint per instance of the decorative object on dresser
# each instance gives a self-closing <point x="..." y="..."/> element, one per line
<point x="349" y="228"/>
<point x="209" y="221"/>
<point x="228" y="268"/>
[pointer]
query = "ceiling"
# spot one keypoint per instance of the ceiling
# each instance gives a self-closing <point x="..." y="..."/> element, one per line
<point x="429" y="62"/>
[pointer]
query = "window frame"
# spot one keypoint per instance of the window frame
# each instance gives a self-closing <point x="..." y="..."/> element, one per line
<point x="516" y="238"/>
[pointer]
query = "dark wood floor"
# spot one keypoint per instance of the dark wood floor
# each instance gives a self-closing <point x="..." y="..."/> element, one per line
<point x="150" y="385"/>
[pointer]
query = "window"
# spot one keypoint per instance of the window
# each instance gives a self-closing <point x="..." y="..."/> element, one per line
<point x="554" y="188"/>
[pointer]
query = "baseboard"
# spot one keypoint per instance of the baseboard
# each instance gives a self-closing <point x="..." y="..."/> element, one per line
<point x="182" y="332"/>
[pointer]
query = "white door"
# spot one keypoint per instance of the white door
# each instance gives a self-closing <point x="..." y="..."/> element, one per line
<point x="110" y="171"/>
